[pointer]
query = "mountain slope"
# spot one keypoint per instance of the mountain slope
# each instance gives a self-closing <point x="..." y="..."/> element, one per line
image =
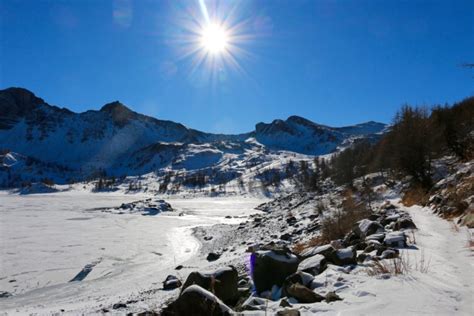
<point x="120" y="141"/>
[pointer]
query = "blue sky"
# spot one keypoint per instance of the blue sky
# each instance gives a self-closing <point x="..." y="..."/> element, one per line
<point x="334" y="62"/>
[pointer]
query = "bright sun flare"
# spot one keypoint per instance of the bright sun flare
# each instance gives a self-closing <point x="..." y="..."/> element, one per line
<point x="214" y="39"/>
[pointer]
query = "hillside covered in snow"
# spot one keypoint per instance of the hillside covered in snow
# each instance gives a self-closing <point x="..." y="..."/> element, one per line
<point x="41" y="142"/>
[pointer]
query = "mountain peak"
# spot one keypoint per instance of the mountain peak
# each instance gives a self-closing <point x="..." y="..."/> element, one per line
<point x="115" y="106"/>
<point x="17" y="102"/>
<point x="121" y="114"/>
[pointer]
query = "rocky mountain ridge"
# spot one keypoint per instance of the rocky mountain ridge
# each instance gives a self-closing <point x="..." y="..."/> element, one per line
<point x="118" y="141"/>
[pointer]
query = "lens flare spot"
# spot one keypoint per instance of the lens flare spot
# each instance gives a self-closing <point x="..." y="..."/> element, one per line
<point x="214" y="39"/>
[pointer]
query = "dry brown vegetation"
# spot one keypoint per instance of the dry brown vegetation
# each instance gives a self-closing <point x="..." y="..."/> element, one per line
<point x="313" y="242"/>
<point x="415" y="195"/>
<point x="400" y="265"/>
<point x="344" y="219"/>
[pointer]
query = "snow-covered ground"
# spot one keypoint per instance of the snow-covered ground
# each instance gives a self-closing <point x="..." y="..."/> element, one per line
<point x="47" y="239"/>
<point x="438" y="280"/>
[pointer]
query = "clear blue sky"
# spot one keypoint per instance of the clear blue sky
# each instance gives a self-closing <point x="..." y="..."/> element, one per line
<point x="334" y="62"/>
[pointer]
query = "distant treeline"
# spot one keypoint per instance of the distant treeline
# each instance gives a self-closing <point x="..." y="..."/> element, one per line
<point x="417" y="136"/>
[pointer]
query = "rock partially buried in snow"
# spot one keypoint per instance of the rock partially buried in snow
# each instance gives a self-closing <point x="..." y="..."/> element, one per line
<point x="332" y="297"/>
<point x="303" y="294"/>
<point x="212" y="256"/>
<point x="288" y="312"/>
<point x="171" y="283"/>
<point x="299" y="277"/>
<point x="272" y="268"/>
<point x="223" y="282"/>
<point x="197" y="301"/>
<point x="254" y="303"/>
<point x="343" y="256"/>
<point x="4" y="294"/>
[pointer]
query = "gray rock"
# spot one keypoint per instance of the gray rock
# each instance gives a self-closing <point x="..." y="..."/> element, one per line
<point x="303" y="294"/>
<point x="223" y="283"/>
<point x="195" y="300"/>
<point x="313" y="265"/>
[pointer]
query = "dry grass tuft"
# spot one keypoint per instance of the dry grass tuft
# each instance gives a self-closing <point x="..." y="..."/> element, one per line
<point x="399" y="266"/>
<point x="313" y="242"/>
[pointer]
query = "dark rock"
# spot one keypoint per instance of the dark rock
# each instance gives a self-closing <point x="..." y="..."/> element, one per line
<point x="362" y="257"/>
<point x="332" y="297"/>
<point x="369" y="248"/>
<point x="208" y="238"/>
<point x="404" y="223"/>
<point x="288" y="312"/>
<point x="303" y="294"/>
<point x="4" y="294"/>
<point x="223" y="283"/>
<point x="195" y="300"/>
<point x="389" y="206"/>
<point x="291" y="220"/>
<point x="119" y="305"/>
<point x="389" y="254"/>
<point x="351" y="239"/>
<point x="373" y="217"/>
<point x="360" y="245"/>
<point x="171" y="283"/>
<point x="299" y="277"/>
<point x="212" y="256"/>
<point x="313" y="265"/>
<point x="284" y="303"/>
<point x="285" y="236"/>
<point x="272" y="267"/>
<point x="179" y="267"/>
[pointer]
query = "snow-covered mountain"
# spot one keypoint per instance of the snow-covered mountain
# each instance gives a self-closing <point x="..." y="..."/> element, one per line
<point x="40" y="140"/>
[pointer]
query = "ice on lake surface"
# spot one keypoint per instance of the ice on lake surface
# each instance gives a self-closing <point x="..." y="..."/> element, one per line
<point x="48" y="240"/>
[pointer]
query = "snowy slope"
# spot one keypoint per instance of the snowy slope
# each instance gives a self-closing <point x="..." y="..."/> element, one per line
<point x="119" y="141"/>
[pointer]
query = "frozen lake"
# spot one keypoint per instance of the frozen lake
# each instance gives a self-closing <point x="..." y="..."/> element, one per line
<point x="47" y="239"/>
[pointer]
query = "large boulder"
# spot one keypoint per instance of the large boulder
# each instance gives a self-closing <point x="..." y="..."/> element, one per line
<point x="395" y="239"/>
<point x="313" y="265"/>
<point x="299" y="277"/>
<point x="367" y="227"/>
<point x="272" y="267"/>
<point x="303" y="294"/>
<point x="324" y="250"/>
<point x="195" y="300"/>
<point x="223" y="283"/>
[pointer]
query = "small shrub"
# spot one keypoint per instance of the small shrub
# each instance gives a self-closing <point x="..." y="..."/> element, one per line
<point x="343" y="220"/>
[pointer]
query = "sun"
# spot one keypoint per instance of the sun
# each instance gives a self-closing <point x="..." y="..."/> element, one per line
<point x="214" y="38"/>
